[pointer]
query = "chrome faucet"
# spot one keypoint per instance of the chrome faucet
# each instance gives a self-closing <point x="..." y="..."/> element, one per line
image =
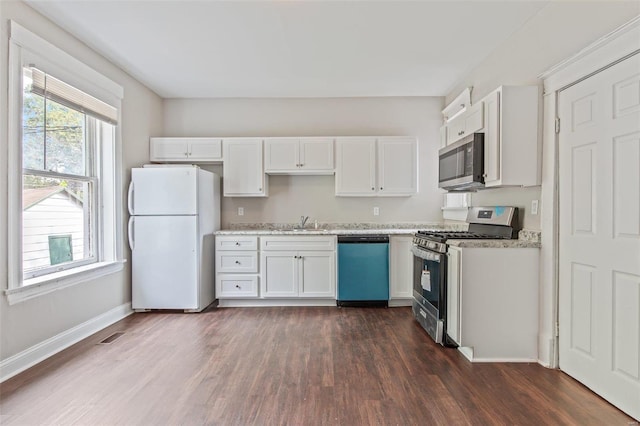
<point x="303" y="221"/>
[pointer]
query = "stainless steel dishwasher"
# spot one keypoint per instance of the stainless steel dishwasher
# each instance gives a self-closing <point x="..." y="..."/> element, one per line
<point x="363" y="270"/>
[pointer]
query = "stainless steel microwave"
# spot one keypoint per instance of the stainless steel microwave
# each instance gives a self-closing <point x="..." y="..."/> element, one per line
<point x="461" y="164"/>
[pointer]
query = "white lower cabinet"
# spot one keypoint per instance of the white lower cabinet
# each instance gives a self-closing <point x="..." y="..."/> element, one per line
<point x="236" y="267"/>
<point x="400" y="270"/>
<point x="288" y="272"/>
<point x="492" y="303"/>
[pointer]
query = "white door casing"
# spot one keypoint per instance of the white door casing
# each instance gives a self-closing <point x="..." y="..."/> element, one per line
<point x="599" y="233"/>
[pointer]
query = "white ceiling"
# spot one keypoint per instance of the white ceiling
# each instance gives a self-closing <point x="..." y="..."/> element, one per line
<point x="188" y="49"/>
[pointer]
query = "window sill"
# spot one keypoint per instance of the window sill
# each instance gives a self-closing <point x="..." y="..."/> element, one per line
<point x="36" y="287"/>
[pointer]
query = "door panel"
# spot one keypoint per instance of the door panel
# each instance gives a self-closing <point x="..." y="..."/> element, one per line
<point x="164" y="191"/>
<point x="599" y="265"/>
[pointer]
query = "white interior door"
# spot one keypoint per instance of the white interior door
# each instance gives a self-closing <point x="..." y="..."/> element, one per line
<point x="599" y="299"/>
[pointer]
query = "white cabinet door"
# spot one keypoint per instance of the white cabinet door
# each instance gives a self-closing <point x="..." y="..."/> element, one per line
<point x="243" y="174"/>
<point x="492" y="139"/>
<point x="469" y="122"/>
<point x="205" y="149"/>
<point x="201" y="150"/>
<point x="400" y="267"/>
<point x="397" y="166"/>
<point x="474" y="118"/>
<point x="511" y="140"/>
<point x="316" y="154"/>
<point x="317" y="273"/>
<point x="453" y="294"/>
<point x="279" y="274"/>
<point x="168" y="149"/>
<point x="356" y="166"/>
<point x="281" y="155"/>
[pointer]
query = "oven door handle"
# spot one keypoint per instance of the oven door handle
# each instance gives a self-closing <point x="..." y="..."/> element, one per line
<point x="426" y="255"/>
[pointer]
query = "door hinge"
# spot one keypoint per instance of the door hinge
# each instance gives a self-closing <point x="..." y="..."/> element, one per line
<point x="557" y="124"/>
<point x="557" y="330"/>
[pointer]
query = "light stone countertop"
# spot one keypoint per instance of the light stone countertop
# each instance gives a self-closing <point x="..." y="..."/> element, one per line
<point x="526" y="238"/>
<point x="493" y="243"/>
<point x="334" y="229"/>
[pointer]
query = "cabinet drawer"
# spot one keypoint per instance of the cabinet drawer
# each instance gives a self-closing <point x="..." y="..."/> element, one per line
<point x="297" y="243"/>
<point x="237" y="243"/>
<point x="235" y="286"/>
<point x="237" y="261"/>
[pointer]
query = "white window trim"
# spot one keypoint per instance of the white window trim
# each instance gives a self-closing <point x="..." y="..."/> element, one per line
<point x="24" y="42"/>
<point x="57" y="281"/>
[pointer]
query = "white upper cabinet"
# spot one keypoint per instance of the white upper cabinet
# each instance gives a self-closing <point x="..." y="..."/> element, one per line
<point x="511" y="138"/>
<point x="356" y="166"/>
<point x="397" y="166"/>
<point x="192" y="150"/>
<point x="383" y="166"/>
<point x="468" y="122"/>
<point x="243" y="175"/>
<point x="306" y="155"/>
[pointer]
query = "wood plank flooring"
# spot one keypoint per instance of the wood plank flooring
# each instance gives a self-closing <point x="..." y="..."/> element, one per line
<point x="288" y="366"/>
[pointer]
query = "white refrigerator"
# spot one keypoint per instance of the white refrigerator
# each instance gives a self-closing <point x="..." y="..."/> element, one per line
<point x="174" y="211"/>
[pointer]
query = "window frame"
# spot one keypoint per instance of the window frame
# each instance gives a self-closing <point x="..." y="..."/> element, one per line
<point x="26" y="48"/>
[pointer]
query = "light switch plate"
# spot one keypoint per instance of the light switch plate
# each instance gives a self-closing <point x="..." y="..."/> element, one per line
<point x="534" y="207"/>
<point x="376" y="211"/>
<point x="240" y="211"/>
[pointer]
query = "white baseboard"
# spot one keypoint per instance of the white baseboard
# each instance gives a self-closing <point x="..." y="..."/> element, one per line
<point x="255" y="303"/>
<point x="21" y="361"/>
<point x="394" y="303"/>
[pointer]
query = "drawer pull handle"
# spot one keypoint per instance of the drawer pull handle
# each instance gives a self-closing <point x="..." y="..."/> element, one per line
<point x="237" y="286"/>
<point x="237" y="262"/>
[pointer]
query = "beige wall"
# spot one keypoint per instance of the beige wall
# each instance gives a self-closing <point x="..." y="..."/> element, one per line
<point x="293" y="196"/>
<point x="26" y="324"/>
<point x="558" y="31"/>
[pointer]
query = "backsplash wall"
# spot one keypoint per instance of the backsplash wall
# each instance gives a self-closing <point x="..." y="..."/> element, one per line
<point x="293" y="196"/>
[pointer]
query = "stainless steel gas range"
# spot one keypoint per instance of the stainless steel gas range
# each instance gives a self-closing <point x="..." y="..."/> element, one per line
<point x="430" y="263"/>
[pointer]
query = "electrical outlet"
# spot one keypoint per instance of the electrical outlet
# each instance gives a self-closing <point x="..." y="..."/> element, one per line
<point x="534" y="206"/>
<point x="240" y="211"/>
<point x="376" y="211"/>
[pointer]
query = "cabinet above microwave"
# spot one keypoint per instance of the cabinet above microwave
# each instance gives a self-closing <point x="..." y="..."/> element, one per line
<point x="510" y="123"/>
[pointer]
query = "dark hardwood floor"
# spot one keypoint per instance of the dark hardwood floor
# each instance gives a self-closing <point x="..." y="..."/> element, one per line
<point x="294" y="366"/>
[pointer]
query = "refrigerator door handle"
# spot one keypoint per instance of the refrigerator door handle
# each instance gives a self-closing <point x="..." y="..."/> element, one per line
<point x="130" y="198"/>
<point x="130" y="233"/>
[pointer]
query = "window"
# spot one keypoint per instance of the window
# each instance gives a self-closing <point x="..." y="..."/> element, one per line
<point x="64" y="185"/>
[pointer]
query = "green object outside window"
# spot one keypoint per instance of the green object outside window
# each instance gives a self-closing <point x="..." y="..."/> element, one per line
<point x="60" y="249"/>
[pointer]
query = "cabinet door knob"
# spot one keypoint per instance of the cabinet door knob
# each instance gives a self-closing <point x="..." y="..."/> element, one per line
<point x="186" y="154"/>
<point x="484" y="175"/>
<point x="237" y="286"/>
<point x="237" y="243"/>
<point x="237" y="262"/>
<point x="301" y="164"/>
<point x="259" y="189"/>
<point x="372" y="188"/>
<point x="380" y="188"/>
